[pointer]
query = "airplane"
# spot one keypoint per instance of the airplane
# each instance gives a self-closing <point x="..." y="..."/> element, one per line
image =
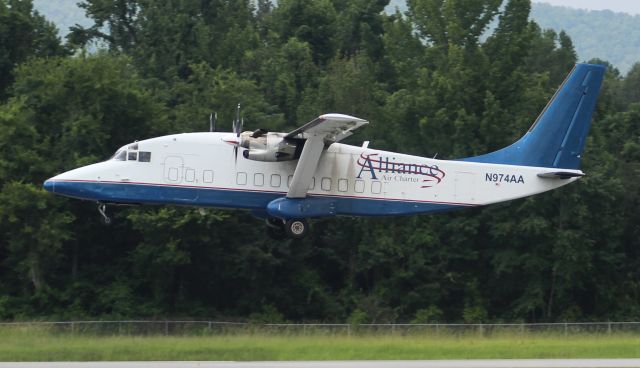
<point x="287" y="178"/>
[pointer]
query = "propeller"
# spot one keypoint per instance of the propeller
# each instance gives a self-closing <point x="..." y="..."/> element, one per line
<point x="238" y="122"/>
<point x="237" y="128"/>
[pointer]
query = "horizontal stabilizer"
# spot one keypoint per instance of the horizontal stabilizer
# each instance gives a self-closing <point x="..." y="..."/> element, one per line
<point x="561" y="174"/>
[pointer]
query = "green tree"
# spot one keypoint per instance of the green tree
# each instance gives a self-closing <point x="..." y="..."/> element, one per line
<point x="446" y="23"/>
<point x="313" y="22"/>
<point x="24" y="33"/>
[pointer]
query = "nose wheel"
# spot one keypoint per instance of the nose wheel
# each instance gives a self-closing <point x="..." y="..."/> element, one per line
<point x="102" y="209"/>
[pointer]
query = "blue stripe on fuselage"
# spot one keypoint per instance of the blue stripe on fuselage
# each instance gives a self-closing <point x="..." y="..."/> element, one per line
<point x="139" y="193"/>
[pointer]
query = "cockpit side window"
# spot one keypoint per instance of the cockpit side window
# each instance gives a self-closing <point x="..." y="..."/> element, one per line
<point x="120" y="156"/>
<point x="144" y="156"/>
<point x="133" y="156"/>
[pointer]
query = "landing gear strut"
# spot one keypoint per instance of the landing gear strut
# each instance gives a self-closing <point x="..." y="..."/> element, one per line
<point x="105" y="219"/>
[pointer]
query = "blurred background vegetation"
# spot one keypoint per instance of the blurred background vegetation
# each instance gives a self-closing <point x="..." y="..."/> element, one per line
<point x="432" y="80"/>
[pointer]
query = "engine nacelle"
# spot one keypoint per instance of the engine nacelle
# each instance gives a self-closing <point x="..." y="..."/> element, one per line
<point x="271" y="147"/>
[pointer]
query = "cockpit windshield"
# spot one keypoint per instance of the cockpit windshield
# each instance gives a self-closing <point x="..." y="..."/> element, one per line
<point x="121" y="155"/>
<point x="131" y="153"/>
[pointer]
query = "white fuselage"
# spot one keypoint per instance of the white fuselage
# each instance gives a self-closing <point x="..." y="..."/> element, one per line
<point x="201" y="169"/>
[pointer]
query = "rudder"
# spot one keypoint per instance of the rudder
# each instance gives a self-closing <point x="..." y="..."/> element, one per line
<point x="556" y="139"/>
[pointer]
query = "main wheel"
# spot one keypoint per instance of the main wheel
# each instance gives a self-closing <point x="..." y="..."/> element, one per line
<point x="296" y="228"/>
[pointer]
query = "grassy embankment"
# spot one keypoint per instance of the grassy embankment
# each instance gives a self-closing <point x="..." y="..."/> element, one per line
<point x="29" y="345"/>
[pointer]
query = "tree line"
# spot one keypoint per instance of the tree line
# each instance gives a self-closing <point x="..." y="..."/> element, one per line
<point x="430" y="80"/>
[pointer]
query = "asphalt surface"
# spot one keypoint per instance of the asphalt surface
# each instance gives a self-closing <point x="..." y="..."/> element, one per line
<point x="480" y="363"/>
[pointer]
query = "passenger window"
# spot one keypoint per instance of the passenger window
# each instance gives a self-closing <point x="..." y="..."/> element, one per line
<point x="207" y="176"/>
<point x="258" y="179"/>
<point x="144" y="156"/>
<point x="133" y="156"/>
<point x="241" y="178"/>
<point x="289" y="180"/>
<point x="326" y="184"/>
<point x="359" y="186"/>
<point x="190" y="175"/>
<point x="275" y="180"/>
<point x="343" y="184"/>
<point x="376" y="187"/>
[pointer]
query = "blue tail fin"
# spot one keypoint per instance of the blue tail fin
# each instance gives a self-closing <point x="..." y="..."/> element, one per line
<point x="557" y="137"/>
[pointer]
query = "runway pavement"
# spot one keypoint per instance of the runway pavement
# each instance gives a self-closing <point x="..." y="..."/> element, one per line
<point x="479" y="363"/>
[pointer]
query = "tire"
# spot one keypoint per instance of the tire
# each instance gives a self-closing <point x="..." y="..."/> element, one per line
<point x="296" y="228"/>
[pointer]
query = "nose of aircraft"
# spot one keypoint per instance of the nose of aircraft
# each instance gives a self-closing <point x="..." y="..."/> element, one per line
<point x="49" y="186"/>
<point x="77" y="183"/>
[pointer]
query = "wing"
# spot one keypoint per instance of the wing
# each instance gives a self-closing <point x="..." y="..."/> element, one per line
<point x="325" y="129"/>
<point x="334" y="127"/>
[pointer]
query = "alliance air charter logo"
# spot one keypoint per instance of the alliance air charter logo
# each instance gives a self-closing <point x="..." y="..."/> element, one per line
<point x="389" y="170"/>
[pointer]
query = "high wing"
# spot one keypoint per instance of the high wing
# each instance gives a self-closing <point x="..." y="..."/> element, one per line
<point x="320" y="132"/>
<point x="334" y="127"/>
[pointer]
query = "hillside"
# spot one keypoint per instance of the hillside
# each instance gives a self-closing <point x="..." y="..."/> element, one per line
<point x="614" y="37"/>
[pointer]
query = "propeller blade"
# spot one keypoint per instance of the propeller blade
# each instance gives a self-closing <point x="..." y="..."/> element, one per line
<point x="212" y="121"/>
<point x="237" y="128"/>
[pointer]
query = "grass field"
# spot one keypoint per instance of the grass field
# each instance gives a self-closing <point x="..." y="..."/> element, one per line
<point x="29" y="345"/>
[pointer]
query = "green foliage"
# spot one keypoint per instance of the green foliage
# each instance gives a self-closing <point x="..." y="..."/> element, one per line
<point x="357" y="318"/>
<point x="23" y="34"/>
<point x="429" y="82"/>
<point x="432" y="314"/>
<point x="269" y="314"/>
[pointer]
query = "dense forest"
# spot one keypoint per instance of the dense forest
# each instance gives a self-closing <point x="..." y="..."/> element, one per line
<point x="597" y="33"/>
<point x="429" y="84"/>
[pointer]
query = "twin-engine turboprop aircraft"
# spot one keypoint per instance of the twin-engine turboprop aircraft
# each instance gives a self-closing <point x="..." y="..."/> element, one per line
<point x="287" y="178"/>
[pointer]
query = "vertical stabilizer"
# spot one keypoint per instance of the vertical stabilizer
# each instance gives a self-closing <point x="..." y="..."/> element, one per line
<point x="556" y="139"/>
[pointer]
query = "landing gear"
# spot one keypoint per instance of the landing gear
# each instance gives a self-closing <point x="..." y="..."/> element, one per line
<point x="105" y="219"/>
<point x="294" y="229"/>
